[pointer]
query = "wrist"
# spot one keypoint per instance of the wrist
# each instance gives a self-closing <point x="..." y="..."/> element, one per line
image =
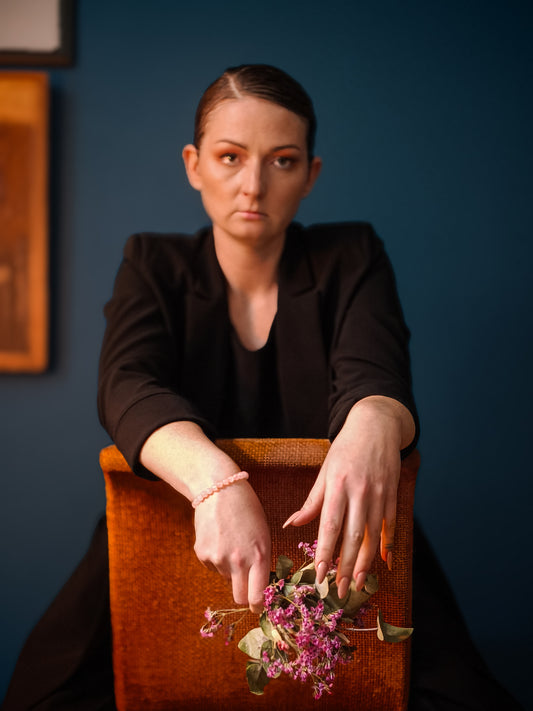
<point x="217" y="487"/>
<point x="381" y="415"/>
<point x="181" y="455"/>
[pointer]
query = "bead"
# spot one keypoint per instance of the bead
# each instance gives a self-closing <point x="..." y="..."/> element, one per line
<point x="218" y="486"/>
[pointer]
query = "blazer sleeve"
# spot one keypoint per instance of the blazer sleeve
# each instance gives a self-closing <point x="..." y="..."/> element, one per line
<point x="140" y="358"/>
<point x="370" y="349"/>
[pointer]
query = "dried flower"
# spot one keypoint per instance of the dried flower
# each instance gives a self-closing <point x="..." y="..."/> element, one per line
<point x="301" y="629"/>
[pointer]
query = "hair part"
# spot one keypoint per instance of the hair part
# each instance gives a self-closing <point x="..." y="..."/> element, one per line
<point x="265" y="82"/>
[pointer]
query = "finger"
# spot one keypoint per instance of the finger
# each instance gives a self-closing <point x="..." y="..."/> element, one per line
<point x="311" y="506"/>
<point x="207" y="564"/>
<point x="239" y="585"/>
<point x="370" y="544"/>
<point x="387" y="532"/>
<point x="331" y="520"/>
<point x="257" y="582"/>
<point x="354" y="534"/>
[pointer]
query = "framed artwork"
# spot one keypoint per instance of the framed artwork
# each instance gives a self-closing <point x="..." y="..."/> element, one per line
<point x="24" y="294"/>
<point x="37" y="32"/>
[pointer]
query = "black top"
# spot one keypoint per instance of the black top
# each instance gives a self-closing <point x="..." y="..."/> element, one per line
<point x="252" y="405"/>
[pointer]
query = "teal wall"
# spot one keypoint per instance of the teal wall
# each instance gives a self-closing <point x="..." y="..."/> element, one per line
<point x="425" y="116"/>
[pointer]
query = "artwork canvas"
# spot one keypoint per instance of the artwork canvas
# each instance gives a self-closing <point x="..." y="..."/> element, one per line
<point x="24" y="98"/>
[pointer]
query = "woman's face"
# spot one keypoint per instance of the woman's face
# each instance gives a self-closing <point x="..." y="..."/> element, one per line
<point x="251" y="168"/>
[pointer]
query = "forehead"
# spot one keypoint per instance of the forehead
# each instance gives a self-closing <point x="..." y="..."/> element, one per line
<point x="251" y="117"/>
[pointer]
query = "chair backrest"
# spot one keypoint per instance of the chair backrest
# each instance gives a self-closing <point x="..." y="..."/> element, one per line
<point x="159" y="592"/>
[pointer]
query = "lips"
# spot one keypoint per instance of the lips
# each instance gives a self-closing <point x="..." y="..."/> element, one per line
<point x="251" y="214"/>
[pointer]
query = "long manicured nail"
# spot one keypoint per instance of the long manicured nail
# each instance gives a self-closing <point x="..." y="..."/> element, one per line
<point x="321" y="570"/>
<point x="342" y="587"/>
<point x="291" y="519"/>
<point x="360" y="580"/>
<point x="389" y="560"/>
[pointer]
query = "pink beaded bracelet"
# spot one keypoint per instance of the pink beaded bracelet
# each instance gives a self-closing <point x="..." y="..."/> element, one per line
<point x="228" y="481"/>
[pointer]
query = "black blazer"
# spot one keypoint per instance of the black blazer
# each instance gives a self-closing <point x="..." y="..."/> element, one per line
<point x="340" y="334"/>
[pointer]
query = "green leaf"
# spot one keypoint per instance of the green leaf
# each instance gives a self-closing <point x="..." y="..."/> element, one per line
<point x="308" y="575"/>
<point x="371" y="585"/>
<point x="273" y="653"/>
<point x="256" y="676"/>
<point x="309" y="566"/>
<point x="251" y="643"/>
<point x="266" y="624"/>
<point x="283" y="567"/>
<point x="390" y="633"/>
<point x="353" y="599"/>
<point x="281" y="655"/>
<point x="267" y="647"/>
<point x="288" y="589"/>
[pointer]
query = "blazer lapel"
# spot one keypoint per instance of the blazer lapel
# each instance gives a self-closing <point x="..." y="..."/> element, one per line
<point x="301" y="358"/>
<point x="206" y="333"/>
<point x="302" y="363"/>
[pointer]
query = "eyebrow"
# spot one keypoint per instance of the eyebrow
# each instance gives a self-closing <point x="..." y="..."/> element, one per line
<point x="274" y="148"/>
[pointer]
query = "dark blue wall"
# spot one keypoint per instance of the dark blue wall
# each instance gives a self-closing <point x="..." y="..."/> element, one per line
<point x="425" y="117"/>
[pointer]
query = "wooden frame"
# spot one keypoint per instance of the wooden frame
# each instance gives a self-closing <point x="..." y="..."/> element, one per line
<point x="51" y="41"/>
<point x="24" y="106"/>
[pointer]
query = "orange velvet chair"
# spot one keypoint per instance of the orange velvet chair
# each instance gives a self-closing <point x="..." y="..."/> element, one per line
<point x="159" y="592"/>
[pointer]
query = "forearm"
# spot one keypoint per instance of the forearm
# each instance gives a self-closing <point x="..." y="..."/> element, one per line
<point x="181" y="454"/>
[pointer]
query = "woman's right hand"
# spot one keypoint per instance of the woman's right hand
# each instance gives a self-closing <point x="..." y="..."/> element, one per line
<point x="232" y="534"/>
<point x="233" y="538"/>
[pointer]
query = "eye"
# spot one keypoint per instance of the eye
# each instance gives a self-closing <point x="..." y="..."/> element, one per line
<point x="229" y="158"/>
<point x="284" y="162"/>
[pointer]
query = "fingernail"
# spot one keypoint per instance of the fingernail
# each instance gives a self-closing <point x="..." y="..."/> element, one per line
<point x="321" y="570"/>
<point x="389" y="560"/>
<point x="342" y="587"/>
<point x="291" y="519"/>
<point x="360" y="580"/>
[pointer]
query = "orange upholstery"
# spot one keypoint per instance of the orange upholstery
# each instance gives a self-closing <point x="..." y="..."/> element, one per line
<point x="159" y="592"/>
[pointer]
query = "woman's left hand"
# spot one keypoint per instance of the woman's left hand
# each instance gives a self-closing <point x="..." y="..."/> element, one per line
<point x="356" y="490"/>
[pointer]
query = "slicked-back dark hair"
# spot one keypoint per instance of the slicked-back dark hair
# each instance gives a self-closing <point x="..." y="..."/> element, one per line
<point x="265" y="82"/>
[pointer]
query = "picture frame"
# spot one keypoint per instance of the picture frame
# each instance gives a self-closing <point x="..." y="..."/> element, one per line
<point x="48" y="42"/>
<point x="24" y="252"/>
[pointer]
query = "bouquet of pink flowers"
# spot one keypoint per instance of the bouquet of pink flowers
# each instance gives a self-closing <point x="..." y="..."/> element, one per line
<point x="302" y="628"/>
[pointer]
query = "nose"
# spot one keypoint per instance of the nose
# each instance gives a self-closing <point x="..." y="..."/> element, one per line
<point x="253" y="179"/>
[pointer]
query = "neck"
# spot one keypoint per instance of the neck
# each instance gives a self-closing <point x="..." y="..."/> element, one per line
<point x="251" y="273"/>
<point x="250" y="269"/>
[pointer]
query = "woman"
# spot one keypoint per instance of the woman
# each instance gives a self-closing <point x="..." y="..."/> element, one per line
<point x="259" y="327"/>
<point x="253" y="164"/>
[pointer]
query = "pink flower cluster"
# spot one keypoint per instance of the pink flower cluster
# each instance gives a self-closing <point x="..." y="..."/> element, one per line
<point x="308" y="548"/>
<point x="309" y="646"/>
<point x="299" y="632"/>
<point x="215" y="620"/>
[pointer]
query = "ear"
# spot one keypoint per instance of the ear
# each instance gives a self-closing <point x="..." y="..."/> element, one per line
<point x="190" y="158"/>
<point x="314" y="172"/>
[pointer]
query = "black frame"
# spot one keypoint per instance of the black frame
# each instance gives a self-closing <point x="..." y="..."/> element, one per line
<point x="62" y="57"/>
